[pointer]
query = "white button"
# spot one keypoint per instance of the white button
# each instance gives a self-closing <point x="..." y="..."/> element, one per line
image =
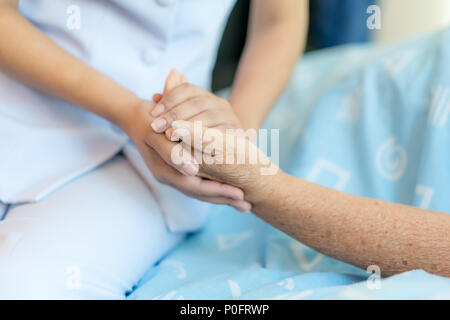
<point x="166" y="3"/>
<point x="150" y="56"/>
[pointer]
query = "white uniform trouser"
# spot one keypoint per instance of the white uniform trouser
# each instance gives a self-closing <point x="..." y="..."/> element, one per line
<point x="92" y="239"/>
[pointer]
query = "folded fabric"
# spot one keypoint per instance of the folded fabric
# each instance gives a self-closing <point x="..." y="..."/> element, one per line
<point x="182" y="213"/>
<point x="38" y="157"/>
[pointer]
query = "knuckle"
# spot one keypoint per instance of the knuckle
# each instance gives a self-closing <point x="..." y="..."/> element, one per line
<point x="199" y="102"/>
<point x="169" y="133"/>
<point x="171" y="116"/>
<point x="187" y="87"/>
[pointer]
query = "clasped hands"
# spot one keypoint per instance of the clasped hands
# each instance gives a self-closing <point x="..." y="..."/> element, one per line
<point x="165" y="130"/>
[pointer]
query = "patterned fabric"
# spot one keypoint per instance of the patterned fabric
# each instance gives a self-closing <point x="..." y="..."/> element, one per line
<point x="372" y="121"/>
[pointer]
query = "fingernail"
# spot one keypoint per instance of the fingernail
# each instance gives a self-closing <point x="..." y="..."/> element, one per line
<point x="243" y="207"/>
<point x="174" y="137"/>
<point x="190" y="169"/>
<point x="236" y="196"/>
<point x="233" y="192"/>
<point x="182" y="133"/>
<point x="159" y="124"/>
<point x="158" y="110"/>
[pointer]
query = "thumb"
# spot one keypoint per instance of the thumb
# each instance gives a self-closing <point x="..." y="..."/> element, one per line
<point x="174" y="79"/>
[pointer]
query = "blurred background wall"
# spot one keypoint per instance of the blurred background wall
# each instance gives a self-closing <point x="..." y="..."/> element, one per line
<point x="406" y="18"/>
<point x="337" y="22"/>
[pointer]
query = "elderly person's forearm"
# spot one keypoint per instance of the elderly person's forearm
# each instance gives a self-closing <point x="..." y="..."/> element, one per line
<point x="357" y="230"/>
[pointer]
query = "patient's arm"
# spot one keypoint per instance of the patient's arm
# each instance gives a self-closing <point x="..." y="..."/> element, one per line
<point x="29" y="55"/>
<point x="357" y="230"/>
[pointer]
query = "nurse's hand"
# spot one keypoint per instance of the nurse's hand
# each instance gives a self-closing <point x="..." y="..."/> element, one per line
<point x="228" y="158"/>
<point x="156" y="151"/>
<point x="184" y="101"/>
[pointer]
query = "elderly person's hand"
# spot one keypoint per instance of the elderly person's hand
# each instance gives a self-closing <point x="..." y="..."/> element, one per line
<point x="356" y="230"/>
<point x="226" y="156"/>
<point x="156" y="151"/>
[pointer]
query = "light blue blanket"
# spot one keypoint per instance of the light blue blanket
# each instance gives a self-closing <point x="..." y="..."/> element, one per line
<point x="372" y="121"/>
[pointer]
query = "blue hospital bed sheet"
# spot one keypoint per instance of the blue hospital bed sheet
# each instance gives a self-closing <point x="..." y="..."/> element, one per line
<point x="367" y="120"/>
